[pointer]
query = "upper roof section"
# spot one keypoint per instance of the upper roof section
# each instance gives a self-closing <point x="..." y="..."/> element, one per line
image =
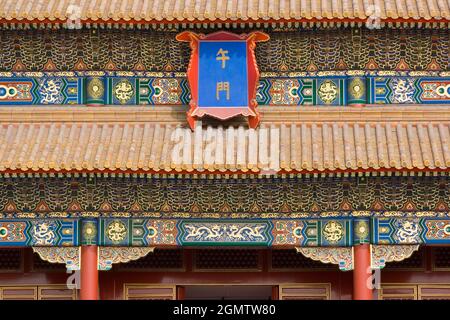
<point x="224" y="11"/>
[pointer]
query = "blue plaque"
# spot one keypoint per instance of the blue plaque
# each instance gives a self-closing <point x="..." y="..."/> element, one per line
<point x="222" y="74"/>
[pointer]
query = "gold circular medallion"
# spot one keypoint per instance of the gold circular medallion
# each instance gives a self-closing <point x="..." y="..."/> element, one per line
<point x="123" y="91"/>
<point x="356" y="87"/>
<point x="333" y="231"/>
<point x="116" y="231"/>
<point x="362" y="229"/>
<point x="95" y="88"/>
<point x="328" y="91"/>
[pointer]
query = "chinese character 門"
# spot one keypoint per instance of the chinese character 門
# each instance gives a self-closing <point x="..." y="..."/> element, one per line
<point x="223" y="86"/>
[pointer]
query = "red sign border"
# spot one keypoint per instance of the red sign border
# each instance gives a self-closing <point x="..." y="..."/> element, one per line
<point x="252" y="71"/>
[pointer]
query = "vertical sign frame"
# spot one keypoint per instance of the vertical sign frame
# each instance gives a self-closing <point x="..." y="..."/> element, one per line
<point x="248" y="108"/>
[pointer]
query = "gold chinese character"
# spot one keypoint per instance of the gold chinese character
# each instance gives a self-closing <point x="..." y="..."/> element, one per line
<point x="223" y="57"/>
<point x="222" y="86"/>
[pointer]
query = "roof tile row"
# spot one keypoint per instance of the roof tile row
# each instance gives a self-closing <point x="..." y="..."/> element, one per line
<point x="221" y="10"/>
<point x="292" y="147"/>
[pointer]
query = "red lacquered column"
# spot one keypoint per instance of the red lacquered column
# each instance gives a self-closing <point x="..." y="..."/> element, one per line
<point x="362" y="273"/>
<point x="89" y="273"/>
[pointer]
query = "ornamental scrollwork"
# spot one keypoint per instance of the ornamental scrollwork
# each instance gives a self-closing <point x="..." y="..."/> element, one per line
<point x="408" y="231"/>
<point x="70" y="256"/>
<point x="342" y="256"/>
<point x="116" y="231"/>
<point x="123" y="91"/>
<point x="328" y="91"/>
<point x="109" y="255"/>
<point x="44" y="232"/>
<point x="219" y="232"/>
<point x="50" y="91"/>
<point x="333" y="231"/>
<point x="389" y="253"/>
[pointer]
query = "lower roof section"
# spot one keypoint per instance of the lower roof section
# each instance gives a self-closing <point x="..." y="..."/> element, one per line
<point x="159" y="140"/>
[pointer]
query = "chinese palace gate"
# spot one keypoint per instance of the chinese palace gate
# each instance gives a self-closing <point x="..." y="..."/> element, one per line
<point x="225" y="149"/>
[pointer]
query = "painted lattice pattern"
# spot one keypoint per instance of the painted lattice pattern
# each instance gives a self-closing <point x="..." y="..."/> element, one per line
<point x="417" y="261"/>
<point x="294" y="212"/>
<point x="40" y="265"/>
<point x="290" y="260"/>
<point x="313" y="50"/>
<point x="290" y="197"/>
<point x="11" y="260"/>
<point x="441" y="258"/>
<point x="160" y="259"/>
<point x="209" y="259"/>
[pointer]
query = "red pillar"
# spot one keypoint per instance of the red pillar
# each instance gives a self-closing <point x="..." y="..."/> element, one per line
<point x="362" y="273"/>
<point x="89" y="273"/>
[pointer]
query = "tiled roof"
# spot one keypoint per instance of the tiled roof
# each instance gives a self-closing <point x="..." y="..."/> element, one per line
<point x="221" y="10"/>
<point x="293" y="146"/>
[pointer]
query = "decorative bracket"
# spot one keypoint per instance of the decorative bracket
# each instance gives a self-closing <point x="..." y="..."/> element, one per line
<point x="342" y="256"/>
<point x="106" y="255"/>
<point x="109" y="255"/>
<point x="68" y="255"/>
<point x="387" y="253"/>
